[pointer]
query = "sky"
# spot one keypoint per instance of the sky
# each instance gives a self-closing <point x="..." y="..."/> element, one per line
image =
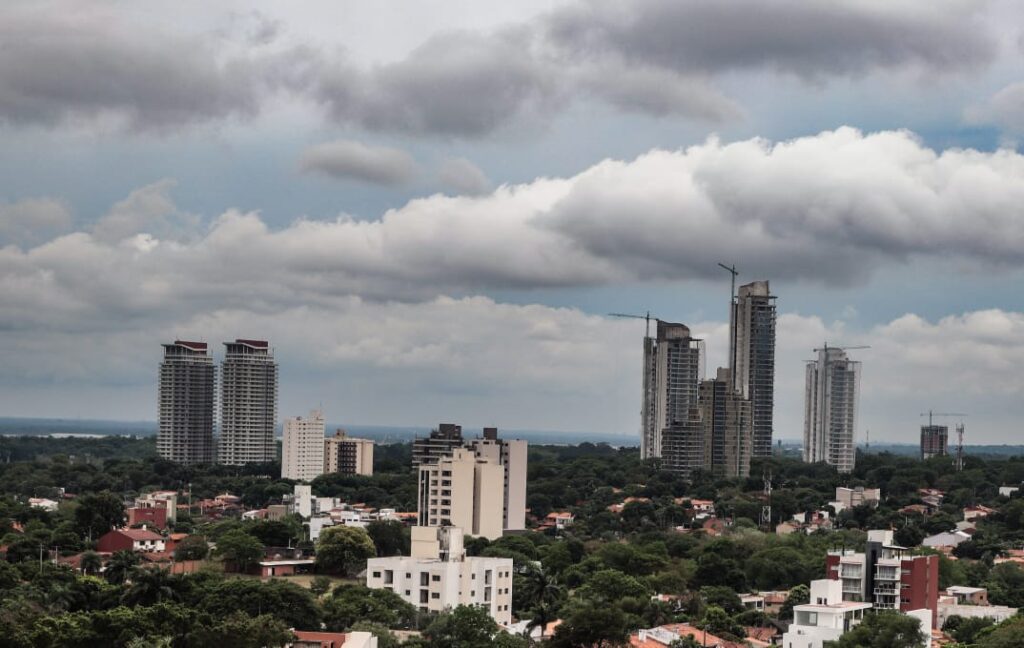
<point x="429" y="208"/>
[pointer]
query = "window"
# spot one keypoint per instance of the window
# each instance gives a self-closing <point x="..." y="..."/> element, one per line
<point x="424" y="596"/>
<point x="424" y="579"/>
<point x="436" y="578"/>
<point x="376" y="574"/>
<point x="435" y="595"/>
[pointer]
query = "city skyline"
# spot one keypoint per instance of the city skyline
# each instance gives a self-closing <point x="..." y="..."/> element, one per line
<point x="435" y="205"/>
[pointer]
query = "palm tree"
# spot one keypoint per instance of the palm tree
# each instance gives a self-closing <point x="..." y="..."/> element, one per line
<point x="90" y="562"/>
<point x="150" y="586"/>
<point x="542" y="587"/>
<point x="120" y="566"/>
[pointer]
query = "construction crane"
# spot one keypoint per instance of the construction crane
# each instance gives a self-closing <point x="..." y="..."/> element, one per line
<point x="959" y="434"/>
<point x="841" y="348"/>
<point x="732" y="305"/>
<point x="647" y="318"/>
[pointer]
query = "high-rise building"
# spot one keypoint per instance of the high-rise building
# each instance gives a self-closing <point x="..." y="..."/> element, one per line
<point x="717" y="435"/>
<point x="439" y="576"/>
<point x="934" y="441"/>
<point x="185" y="410"/>
<point x="752" y="358"/>
<point x="348" y="455"/>
<point x="830" y="409"/>
<point x="302" y="447"/>
<point x="439" y="443"/>
<point x="248" y="403"/>
<point x="672" y="368"/>
<point x="728" y="427"/>
<point x="511" y="455"/>
<point x="464" y="491"/>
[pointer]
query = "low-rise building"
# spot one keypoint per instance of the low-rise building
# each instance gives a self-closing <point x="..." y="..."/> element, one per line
<point x="825" y="618"/>
<point x="151" y="517"/>
<point x="970" y="602"/>
<point x="847" y="498"/>
<point x="559" y="520"/>
<point x="439" y="576"/>
<point x="140" y="540"/>
<point x="43" y="503"/>
<point x="285" y="567"/>
<point x="312" y="639"/>
<point x="666" y="635"/>
<point x="1007" y="491"/>
<point x="946" y="539"/>
<point x="162" y="499"/>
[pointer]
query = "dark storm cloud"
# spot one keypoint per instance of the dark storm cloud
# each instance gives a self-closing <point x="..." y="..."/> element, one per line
<point x="813" y="39"/>
<point x="657" y="57"/>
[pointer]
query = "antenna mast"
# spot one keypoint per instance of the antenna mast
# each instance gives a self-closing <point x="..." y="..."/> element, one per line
<point x="766" y="508"/>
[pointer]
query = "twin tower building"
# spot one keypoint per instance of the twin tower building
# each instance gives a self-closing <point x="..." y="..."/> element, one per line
<point x="248" y="403"/>
<point x="713" y="425"/>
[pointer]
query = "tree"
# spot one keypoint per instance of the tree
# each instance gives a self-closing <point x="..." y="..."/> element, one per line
<point x="1005" y="635"/>
<point x="1005" y="585"/>
<point x="320" y="585"/>
<point x="238" y="630"/>
<point x="467" y="626"/>
<point x="349" y="604"/>
<point x="193" y="547"/>
<point x="287" y="601"/>
<point x="239" y="549"/>
<point x="97" y="513"/>
<point x="275" y="533"/>
<point x="611" y="585"/>
<point x="965" y="630"/>
<point x="717" y="621"/>
<point x="389" y="537"/>
<point x="722" y="597"/>
<point x="90" y="562"/>
<point x="120" y="566"/>
<point x="591" y="624"/>
<point x="797" y="596"/>
<point x="343" y="550"/>
<point x="542" y="588"/>
<point x="149" y="587"/>
<point x="883" y="630"/>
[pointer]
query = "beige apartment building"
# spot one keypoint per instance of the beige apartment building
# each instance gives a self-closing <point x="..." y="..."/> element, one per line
<point x="463" y="491"/>
<point x="347" y="455"/>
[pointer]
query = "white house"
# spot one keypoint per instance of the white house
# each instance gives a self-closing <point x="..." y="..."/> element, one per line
<point x="825" y="618"/>
<point x="439" y="576"/>
<point x="946" y="539"/>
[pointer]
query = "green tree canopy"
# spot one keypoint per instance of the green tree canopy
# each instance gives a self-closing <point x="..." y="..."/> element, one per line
<point x="343" y="550"/>
<point x="883" y="630"/>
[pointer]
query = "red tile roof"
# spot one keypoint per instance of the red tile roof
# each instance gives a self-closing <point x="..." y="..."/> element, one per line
<point x="140" y="534"/>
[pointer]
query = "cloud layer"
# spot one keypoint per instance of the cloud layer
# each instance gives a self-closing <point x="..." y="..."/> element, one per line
<point x="657" y="57"/>
<point x="830" y="209"/>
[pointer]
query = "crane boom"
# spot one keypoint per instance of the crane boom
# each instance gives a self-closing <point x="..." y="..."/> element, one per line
<point x="647" y="318"/>
<point x="930" y="414"/>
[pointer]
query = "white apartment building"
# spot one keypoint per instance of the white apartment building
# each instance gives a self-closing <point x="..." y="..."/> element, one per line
<point x="302" y="500"/>
<point x="302" y="447"/>
<point x="825" y="618"/>
<point x="347" y="455"/>
<point x="463" y="491"/>
<point x="830" y="409"/>
<point x="248" y="404"/>
<point x="439" y="576"/>
<point x="511" y="455"/>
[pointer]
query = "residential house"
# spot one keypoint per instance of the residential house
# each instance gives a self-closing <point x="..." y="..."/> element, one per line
<point x="140" y="540"/>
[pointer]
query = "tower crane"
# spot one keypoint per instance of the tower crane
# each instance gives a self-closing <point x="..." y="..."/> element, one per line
<point x="841" y="348"/>
<point x="646" y="317"/>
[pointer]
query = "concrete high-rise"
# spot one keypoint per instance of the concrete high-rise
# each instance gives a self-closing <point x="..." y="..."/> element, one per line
<point x="302" y="447"/>
<point x="511" y="455"/>
<point x="934" y="441"/>
<point x="186" y="401"/>
<point x="463" y="491"/>
<point x="830" y="409"/>
<point x="347" y="455"/>
<point x="752" y="358"/>
<point x="248" y="403"/>
<point x="727" y="426"/>
<point x="672" y="369"/>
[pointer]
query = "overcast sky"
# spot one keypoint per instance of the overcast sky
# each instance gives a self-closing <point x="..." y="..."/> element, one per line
<point x="429" y="207"/>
